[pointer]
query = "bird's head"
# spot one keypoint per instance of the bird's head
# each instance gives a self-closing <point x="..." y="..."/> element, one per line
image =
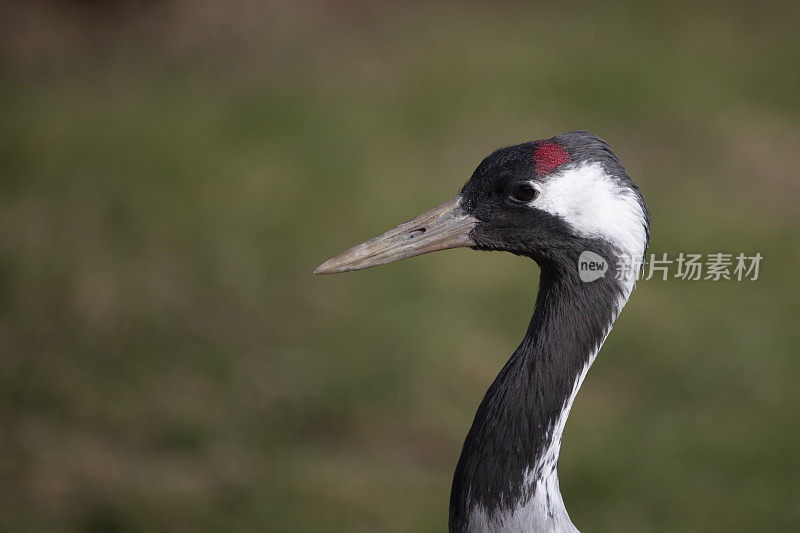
<point x="549" y="200"/>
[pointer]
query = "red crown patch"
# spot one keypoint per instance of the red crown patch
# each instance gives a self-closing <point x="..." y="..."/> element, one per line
<point x="549" y="156"/>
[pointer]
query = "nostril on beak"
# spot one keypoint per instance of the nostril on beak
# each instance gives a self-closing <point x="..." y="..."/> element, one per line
<point x="416" y="233"/>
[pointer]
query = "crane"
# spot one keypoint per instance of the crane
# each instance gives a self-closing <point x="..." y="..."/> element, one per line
<point x="567" y="203"/>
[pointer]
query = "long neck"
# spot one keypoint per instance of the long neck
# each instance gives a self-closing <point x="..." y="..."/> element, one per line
<point x="507" y="477"/>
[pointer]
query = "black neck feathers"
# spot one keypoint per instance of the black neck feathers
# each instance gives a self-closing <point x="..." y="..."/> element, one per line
<point x="513" y="427"/>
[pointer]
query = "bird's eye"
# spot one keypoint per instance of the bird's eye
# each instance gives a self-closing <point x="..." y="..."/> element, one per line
<point x="524" y="193"/>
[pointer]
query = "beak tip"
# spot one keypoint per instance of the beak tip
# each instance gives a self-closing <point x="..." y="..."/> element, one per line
<point x="328" y="267"/>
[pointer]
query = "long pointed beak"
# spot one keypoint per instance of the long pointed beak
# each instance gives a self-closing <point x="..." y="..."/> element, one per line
<point x="443" y="227"/>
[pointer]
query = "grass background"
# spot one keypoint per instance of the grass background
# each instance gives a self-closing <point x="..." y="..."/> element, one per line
<point x="171" y="172"/>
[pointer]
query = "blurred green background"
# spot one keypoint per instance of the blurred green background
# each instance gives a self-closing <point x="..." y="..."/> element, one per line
<point x="172" y="171"/>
